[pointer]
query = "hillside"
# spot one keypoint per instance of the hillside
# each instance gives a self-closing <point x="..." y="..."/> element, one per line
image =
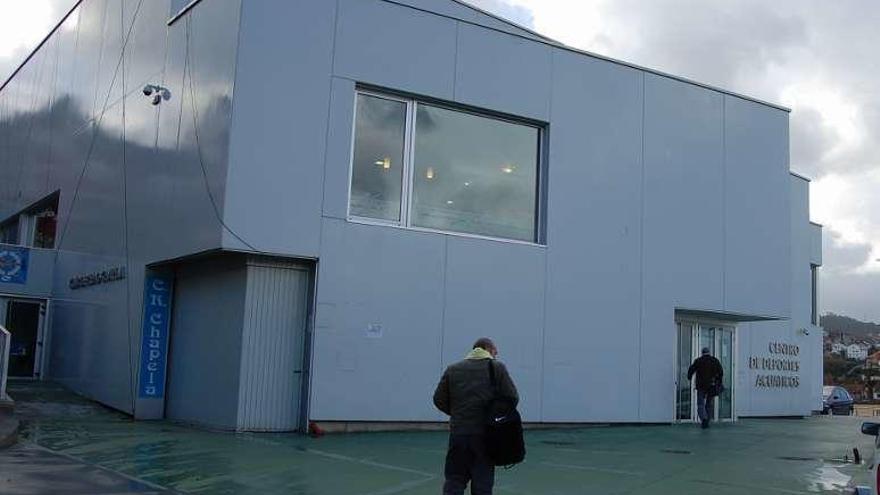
<point x="833" y="323"/>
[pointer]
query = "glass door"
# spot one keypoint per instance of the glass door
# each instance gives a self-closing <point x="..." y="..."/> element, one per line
<point x="684" y="392"/>
<point x="724" y="353"/>
<point x="692" y="338"/>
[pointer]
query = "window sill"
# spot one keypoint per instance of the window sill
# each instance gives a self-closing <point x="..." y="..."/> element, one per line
<point x="379" y="223"/>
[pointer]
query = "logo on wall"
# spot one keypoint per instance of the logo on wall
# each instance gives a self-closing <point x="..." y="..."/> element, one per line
<point x="13" y="265"/>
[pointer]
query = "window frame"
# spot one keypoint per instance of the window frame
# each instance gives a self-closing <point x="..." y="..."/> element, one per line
<point x="406" y="190"/>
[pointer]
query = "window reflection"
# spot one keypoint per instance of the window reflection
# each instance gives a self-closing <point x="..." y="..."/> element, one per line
<point x="377" y="170"/>
<point x="474" y="174"/>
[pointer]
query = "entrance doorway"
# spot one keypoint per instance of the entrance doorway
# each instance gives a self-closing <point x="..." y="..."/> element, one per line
<point x="693" y="336"/>
<point x="24" y="320"/>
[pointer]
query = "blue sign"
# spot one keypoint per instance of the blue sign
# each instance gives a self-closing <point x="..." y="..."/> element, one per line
<point x="154" y="340"/>
<point x="13" y="265"/>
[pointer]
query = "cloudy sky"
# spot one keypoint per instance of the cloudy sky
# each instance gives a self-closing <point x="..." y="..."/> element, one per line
<point x="814" y="56"/>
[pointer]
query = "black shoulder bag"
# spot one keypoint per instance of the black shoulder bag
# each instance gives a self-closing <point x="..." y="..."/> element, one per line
<point x="504" y="433"/>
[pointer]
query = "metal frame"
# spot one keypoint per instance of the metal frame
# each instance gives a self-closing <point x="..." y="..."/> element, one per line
<point x="406" y="198"/>
<point x="5" y="344"/>
<point x="697" y="324"/>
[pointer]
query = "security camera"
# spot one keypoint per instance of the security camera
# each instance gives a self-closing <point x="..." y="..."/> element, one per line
<point x="158" y="93"/>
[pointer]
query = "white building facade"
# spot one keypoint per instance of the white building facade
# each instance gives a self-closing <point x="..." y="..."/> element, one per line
<point x="856" y="351"/>
<point x="254" y="214"/>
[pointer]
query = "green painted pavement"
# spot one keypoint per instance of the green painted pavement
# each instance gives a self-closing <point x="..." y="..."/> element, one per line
<point x="766" y="456"/>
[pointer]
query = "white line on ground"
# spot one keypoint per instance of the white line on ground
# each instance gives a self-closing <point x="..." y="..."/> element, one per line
<point x="751" y="487"/>
<point x="593" y="468"/>
<point x="367" y="462"/>
<point x="102" y="468"/>
<point x="401" y="488"/>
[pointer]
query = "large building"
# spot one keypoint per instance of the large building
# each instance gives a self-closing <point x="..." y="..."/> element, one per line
<point x="251" y="214"/>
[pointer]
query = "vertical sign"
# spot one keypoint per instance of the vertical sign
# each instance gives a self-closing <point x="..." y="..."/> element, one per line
<point x="154" y="340"/>
<point x="13" y="265"/>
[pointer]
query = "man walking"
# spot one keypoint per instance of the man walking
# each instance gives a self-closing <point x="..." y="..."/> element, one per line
<point x="709" y="373"/>
<point x="464" y="393"/>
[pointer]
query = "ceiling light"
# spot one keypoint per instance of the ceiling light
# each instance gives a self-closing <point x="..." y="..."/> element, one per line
<point x="467" y="184"/>
<point x="508" y="169"/>
<point x="429" y="174"/>
<point x="449" y="202"/>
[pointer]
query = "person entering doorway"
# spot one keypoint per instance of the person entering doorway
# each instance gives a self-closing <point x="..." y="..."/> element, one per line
<point x="709" y="374"/>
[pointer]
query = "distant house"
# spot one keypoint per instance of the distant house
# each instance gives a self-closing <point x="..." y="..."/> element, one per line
<point x="838" y="348"/>
<point x="856" y="351"/>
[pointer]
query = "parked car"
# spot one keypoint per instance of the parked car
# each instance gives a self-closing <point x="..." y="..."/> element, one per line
<point x="836" y="400"/>
<point x="871" y="429"/>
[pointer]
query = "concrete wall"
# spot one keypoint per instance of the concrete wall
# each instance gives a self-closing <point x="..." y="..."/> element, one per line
<point x="132" y="187"/>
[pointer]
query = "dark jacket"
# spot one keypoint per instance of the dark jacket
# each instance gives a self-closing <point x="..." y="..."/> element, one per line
<point x="464" y="393"/>
<point x="708" y="370"/>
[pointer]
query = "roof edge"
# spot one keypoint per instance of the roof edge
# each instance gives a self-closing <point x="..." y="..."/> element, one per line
<point x="504" y="20"/>
<point x="542" y="39"/>
<point x="799" y="176"/>
<point x="558" y="44"/>
<point x="40" y="45"/>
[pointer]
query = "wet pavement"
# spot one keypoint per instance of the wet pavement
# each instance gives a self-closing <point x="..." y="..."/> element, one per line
<point x="30" y="470"/>
<point x="756" y="456"/>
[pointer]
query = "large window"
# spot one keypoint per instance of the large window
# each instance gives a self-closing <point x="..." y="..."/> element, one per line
<point x="814" y="295"/>
<point x="425" y="166"/>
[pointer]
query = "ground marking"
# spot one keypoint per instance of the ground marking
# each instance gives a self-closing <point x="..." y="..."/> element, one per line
<point x="593" y="468"/>
<point x="102" y="468"/>
<point x="368" y="462"/>
<point x="751" y="487"/>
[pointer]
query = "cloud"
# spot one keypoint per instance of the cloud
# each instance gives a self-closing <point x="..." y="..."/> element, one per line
<point x="842" y="257"/>
<point x="515" y="13"/>
<point x="23" y="25"/>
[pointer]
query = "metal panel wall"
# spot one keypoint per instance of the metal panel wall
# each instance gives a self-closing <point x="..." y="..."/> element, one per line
<point x="756" y="209"/>
<point x="131" y="177"/>
<point x="272" y="345"/>
<point x="279" y="126"/>
<point x="206" y="335"/>
<point x="593" y="241"/>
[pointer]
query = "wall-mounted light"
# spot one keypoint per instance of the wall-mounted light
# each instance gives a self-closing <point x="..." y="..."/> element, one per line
<point x="158" y="93"/>
<point x="508" y="169"/>
<point x="385" y="163"/>
<point x="429" y="174"/>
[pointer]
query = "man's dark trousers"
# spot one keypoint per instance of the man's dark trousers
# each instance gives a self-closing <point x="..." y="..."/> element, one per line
<point x="705" y="407"/>
<point x="466" y="461"/>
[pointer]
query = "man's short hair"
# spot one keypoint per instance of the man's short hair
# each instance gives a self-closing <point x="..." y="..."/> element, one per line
<point x="704" y="350"/>
<point x="484" y="343"/>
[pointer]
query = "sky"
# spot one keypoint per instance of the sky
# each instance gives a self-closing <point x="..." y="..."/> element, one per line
<point x="816" y="57"/>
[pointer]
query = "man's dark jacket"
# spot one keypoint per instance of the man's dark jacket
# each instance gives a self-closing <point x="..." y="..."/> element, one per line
<point x="708" y="371"/>
<point x="464" y="393"/>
